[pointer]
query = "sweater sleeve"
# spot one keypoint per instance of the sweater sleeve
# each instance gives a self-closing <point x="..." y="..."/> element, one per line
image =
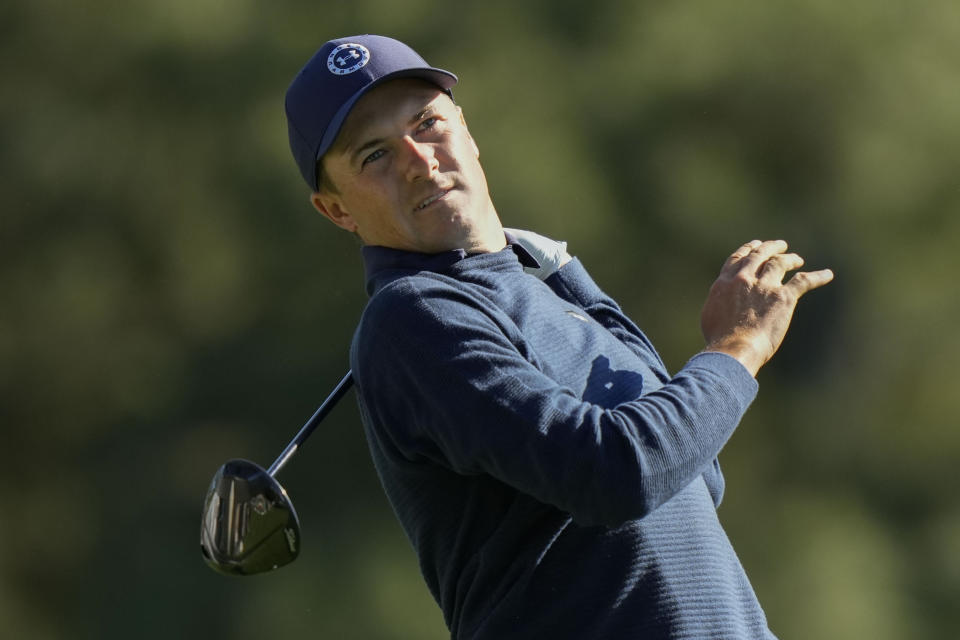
<point x="440" y="382"/>
<point x="574" y="284"/>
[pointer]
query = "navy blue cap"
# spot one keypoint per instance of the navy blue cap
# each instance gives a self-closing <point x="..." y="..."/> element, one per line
<point x="339" y="73"/>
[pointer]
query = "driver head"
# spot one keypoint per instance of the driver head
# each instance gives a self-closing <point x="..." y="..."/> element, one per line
<point x="249" y="524"/>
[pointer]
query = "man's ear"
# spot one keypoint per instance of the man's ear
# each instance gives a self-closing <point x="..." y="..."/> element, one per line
<point x="463" y="121"/>
<point x="332" y="209"/>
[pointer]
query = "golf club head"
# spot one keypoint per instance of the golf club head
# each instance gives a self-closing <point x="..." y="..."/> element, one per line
<point x="249" y="524"/>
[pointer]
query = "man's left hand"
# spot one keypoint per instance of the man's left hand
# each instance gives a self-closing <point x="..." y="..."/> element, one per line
<point x="551" y="254"/>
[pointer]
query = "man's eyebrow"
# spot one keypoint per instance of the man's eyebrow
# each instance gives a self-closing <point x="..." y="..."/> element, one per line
<point x="428" y="110"/>
<point x="354" y="150"/>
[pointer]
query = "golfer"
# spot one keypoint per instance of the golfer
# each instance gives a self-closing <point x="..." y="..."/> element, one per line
<point x="553" y="478"/>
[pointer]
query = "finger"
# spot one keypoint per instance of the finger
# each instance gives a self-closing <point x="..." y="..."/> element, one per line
<point x="761" y="253"/>
<point x="773" y="270"/>
<point x="742" y="252"/>
<point x="805" y="281"/>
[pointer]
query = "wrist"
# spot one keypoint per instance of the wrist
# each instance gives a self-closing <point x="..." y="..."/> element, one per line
<point x="741" y="350"/>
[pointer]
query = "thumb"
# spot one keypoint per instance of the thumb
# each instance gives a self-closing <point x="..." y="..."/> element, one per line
<point x="805" y="281"/>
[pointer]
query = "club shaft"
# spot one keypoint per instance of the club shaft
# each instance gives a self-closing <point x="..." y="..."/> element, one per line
<point x="338" y="392"/>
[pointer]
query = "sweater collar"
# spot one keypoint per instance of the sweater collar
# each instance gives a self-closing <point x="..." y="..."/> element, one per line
<point x="377" y="259"/>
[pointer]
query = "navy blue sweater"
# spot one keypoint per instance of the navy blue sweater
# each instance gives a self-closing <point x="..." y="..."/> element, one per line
<point x="553" y="479"/>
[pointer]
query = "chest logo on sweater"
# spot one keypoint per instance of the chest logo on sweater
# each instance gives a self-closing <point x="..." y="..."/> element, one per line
<point x="576" y="315"/>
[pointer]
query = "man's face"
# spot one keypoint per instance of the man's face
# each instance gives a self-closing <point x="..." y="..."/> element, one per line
<point x="407" y="174"/>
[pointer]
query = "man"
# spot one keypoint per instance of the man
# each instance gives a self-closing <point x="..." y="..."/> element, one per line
<point x="553" y="479"/>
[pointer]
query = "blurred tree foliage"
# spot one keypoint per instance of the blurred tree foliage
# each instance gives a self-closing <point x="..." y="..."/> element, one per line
<point x="170" y="300"/>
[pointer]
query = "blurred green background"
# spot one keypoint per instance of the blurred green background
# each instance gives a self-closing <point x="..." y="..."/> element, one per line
<point x="170" y="299"/>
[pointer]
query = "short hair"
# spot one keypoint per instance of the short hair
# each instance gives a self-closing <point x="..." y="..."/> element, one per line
<point x="324" y="183"/>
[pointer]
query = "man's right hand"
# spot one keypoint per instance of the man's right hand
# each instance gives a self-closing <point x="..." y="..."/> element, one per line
<point x="749" y="307"/>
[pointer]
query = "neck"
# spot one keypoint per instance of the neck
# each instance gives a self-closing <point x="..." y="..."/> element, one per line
<point x="489" y="237"/>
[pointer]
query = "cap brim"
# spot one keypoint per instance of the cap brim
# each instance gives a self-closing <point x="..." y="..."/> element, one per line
<point x="443" y="79"/>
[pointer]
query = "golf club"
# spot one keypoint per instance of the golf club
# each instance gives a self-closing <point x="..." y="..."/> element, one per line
<point x="249" y="524"/>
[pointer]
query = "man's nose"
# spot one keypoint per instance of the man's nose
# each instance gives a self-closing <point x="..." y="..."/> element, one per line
<point x="420" y="161"/>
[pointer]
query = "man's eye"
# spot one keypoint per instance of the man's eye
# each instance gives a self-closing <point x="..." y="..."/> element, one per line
<point x="373" y="156"/>
<point x="427" y="124"/>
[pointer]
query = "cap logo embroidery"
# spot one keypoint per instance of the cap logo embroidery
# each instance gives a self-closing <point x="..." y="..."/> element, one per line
<point x="348" y="58"/>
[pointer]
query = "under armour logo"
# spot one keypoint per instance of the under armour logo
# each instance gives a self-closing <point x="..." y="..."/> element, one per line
<point x="347" y="58"/>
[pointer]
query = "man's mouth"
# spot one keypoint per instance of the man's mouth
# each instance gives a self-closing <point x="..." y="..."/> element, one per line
<point x="427" y="202"/>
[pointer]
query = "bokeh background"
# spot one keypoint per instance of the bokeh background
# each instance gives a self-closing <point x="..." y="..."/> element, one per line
<point x="169" y="300"/>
